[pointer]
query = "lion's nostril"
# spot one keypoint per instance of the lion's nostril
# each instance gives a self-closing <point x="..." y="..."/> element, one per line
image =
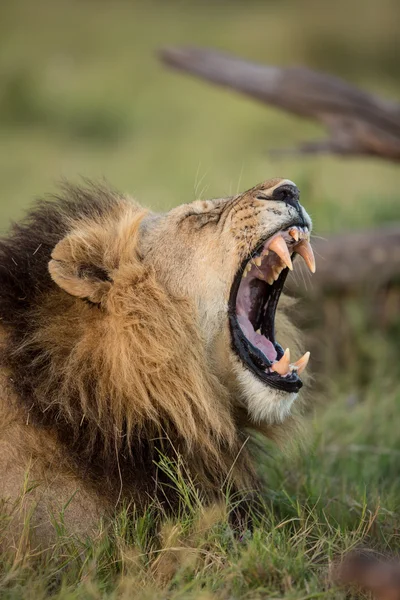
<point x="286" y="193"/>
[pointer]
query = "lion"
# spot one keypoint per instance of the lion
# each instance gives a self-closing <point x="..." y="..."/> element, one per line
<point x="132" y="340"/>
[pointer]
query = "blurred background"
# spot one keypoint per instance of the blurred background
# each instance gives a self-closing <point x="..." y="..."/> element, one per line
<point x="82" y="93"/>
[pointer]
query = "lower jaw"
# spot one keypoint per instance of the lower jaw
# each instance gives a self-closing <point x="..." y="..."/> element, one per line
<point x="264" y="404"/>
<point x="291" y="384"/>
<point x="275" y="381"/>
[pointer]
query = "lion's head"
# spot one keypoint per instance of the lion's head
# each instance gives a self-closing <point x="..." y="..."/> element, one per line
<point x="124" y="326"/>
<point x="231" y="257"/>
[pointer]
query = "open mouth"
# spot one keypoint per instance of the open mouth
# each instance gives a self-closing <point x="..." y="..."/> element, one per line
<point x="252" y="306"/>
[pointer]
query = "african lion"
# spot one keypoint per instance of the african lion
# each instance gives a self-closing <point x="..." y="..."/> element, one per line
<point x="129" y="335"/>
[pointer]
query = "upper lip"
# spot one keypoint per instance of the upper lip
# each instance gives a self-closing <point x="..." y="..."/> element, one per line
<point x="276" y="267"/>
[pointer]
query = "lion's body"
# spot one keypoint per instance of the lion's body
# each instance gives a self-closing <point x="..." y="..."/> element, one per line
<point x="110" y="365"/>
<point x="37" y="484"/>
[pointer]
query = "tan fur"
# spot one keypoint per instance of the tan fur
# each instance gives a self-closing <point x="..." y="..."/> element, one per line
<point x="139" y="312"/>
<point x="38" y="490"/>
<point x="141" y="325"/>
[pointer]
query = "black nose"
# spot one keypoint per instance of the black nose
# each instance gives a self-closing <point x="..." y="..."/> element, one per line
<point x="287" y="193"/>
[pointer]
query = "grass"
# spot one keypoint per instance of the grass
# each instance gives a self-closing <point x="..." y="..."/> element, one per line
<point x="82" y="94"/>
<point x="336" y="491"/>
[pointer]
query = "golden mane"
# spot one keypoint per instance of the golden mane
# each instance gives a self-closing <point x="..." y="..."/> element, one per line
<point x="123" y="375"/>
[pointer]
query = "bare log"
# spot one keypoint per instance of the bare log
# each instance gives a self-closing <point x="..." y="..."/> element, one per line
<point x="369" y="572"/>
<point x="367" y="259"/>
<point x="358" y="123"/>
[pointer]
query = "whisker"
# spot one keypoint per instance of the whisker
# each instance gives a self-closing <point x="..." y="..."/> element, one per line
<point x="304" y="279"/>
<point x="240" y="179"/>
<point x="195" y="179"/>
<point x="199" y="184"/>
<point x="319" y="255"/>
<point x="203" y="191"/>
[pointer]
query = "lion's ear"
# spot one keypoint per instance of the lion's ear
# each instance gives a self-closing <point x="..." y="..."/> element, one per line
<point x="76" y="267"/>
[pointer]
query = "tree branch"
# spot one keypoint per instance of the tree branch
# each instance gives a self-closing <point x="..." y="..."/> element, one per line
<point x="358" y="122"/>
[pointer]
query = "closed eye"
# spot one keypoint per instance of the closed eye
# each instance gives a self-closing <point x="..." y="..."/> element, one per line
<point x="202" y="219"/>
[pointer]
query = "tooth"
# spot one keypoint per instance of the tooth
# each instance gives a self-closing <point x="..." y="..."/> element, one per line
<point x="282" y="366"/>
<point x="265" y="252"/>
<point x="294" y="233"/>
<point x="270" y="279"/>
<point x="278" y="245"/>
<point x="258" y="261"/>
<point x="305" y="250"/>
<point x="302" y="363"/>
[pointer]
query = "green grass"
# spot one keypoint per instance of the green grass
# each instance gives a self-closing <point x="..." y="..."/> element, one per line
<point x="83" y="94"/>
<point x="337" y="492"/>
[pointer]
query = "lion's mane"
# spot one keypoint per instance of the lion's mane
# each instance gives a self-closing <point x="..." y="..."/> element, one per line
<point x="120" y="379"/>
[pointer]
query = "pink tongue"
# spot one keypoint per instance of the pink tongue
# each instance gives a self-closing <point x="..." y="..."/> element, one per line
<point x="259" y="341"/>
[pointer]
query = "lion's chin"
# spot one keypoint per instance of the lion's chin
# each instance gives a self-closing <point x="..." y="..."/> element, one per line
<point x="264" y="404"/>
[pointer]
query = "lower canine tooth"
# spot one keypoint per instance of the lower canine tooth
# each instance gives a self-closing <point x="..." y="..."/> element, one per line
<point x="302" y="363"/>
<point x="282" y="366"/>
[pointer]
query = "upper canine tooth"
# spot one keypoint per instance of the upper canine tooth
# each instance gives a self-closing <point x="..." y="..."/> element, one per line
<point x="302" y="363"/>
<point x="294" y="233"/>
<point x="305" y="250"/>
<point x="282" y="366"/>
<point x="279" y="246"/>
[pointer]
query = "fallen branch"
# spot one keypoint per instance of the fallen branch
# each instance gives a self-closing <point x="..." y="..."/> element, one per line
<point x="358" y="122"/>
<point x="368" y="572"/>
